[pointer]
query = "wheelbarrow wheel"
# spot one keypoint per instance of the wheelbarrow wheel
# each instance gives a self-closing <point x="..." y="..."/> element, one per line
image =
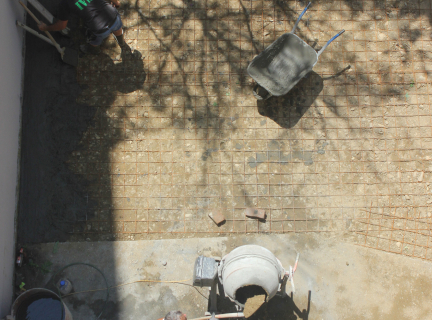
<point x="260" y="93"/>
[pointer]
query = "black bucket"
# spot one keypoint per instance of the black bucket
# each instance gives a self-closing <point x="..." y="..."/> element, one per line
<point x="40" y="304"/>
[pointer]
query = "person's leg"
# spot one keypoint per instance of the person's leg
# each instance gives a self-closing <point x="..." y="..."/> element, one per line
<point x="92" y="45"/>
<point x="120" y="37"/>
<point x="93" y="42"/>
<point x="117" y="30"/>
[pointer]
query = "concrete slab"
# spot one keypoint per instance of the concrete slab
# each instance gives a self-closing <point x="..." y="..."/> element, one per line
<point x="345" y="281"/>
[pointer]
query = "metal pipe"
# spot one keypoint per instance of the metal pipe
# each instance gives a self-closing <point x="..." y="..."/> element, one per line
<point x="223" y="316"/>
<point x="299" y="18"/>
<point x="42" y="10"/>
<point x="296" y="262"/>
<point x="39" y="7"/>
<point x="328" y="42"/>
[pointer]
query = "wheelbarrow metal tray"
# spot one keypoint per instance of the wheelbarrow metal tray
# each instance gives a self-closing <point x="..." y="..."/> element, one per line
<point x="283" y="64"/>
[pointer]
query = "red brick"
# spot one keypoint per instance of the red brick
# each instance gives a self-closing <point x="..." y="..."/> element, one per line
<point x="255" y="213"/>
<point x="217" y="216"/>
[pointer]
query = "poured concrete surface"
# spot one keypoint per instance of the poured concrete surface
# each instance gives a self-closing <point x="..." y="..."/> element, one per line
<point x="345" y="281"/>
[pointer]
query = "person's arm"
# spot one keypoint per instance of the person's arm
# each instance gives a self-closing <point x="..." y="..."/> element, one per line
<point x="57" y="26"/>
<point x="115" y="3"/>
<point x="63" y="17"/>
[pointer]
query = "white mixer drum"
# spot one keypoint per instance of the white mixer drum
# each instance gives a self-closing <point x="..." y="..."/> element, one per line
<point x="250" y="270"/>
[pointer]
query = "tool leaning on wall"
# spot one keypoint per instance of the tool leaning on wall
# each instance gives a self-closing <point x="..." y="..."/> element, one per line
<point x="68" y="55"/>
<point x="47" y="15"/>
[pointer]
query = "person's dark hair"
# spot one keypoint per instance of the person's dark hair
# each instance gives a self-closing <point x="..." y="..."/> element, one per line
<point x="173" y="315"/>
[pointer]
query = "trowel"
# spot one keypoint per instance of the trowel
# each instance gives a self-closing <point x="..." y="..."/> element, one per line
<point x="68" y="55"/>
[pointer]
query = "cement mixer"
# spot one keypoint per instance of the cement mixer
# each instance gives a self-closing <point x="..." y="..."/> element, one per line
<point x="245" y="272"/>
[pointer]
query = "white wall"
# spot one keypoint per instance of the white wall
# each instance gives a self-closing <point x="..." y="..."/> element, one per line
<point x="11" y="43"/>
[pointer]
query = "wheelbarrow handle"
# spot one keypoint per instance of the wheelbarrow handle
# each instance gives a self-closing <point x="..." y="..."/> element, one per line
<point x="301" y="16"/>
<point x="328" y="42"/>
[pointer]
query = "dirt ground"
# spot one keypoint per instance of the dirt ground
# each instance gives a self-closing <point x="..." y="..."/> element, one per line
<point x="144" y="143"/>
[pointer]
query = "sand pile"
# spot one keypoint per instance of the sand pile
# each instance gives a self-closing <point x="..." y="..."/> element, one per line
<point x="253" y="304"/>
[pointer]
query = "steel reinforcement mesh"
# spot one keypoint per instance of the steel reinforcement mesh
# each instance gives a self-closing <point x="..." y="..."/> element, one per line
<point x="178" y="133"/>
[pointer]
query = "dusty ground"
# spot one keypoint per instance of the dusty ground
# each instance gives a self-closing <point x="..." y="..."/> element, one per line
<point x="150" y="140"/>
<point x="342" y="281"/>
<point x="143" y="144"/>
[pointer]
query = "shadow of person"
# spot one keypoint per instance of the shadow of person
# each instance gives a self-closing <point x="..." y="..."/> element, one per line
<point x="109" y="77"/>
<point x="288" y="109"/>
<point x="130" y="72"/>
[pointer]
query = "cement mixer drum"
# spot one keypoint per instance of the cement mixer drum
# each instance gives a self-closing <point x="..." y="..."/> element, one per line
<point x="250" y="269"/>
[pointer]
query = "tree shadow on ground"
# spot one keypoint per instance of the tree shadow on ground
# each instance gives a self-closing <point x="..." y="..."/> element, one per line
<point x="105" y="78"/>
<point x="202" y="74"/>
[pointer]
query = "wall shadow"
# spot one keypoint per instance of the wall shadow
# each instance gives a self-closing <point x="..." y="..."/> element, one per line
<point x="60" y="105"/>
<point x="52" y="198"/>
<point x="56" y="202"/>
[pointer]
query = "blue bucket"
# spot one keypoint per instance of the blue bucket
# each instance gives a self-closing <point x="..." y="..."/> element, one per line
<point x="40" y="304"/>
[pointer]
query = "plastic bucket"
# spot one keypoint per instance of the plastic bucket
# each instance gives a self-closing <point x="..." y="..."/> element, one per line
<point x="39" y="304"/>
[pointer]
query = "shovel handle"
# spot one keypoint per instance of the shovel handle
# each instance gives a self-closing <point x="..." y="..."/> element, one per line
<point x="37" y="34"/>
<point x="60" y="50"/>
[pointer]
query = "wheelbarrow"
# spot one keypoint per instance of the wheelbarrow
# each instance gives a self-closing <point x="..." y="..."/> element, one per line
<point x="284" y="63"/>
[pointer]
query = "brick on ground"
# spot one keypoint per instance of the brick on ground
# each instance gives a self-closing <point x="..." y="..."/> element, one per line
<point x="217" y="216"/>
<point x="255" y="213"/>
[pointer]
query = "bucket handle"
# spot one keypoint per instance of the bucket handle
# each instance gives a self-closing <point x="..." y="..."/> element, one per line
<point x="328" y="42"/>
<point x="299" y="18"/>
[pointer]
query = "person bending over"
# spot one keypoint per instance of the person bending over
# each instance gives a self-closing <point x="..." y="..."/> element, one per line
<point x="100" y="17"/>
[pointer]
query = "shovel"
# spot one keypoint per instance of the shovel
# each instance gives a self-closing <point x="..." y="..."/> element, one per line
<point x="68" y="55"/>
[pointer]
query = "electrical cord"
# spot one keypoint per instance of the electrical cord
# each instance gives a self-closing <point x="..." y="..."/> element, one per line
<point x="112" y="287"/>
<point x="89" y="265"/>
<point x="137" y="281"/>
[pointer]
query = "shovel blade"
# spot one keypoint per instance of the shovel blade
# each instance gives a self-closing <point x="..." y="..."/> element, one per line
<point x="70" y="56"/>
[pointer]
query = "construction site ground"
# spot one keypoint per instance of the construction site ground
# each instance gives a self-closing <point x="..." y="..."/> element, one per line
<point x="124" y="157"/>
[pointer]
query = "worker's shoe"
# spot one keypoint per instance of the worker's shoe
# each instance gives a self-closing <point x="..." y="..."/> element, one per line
<point x="88" y="48"/>
<point x="120" y="40"/>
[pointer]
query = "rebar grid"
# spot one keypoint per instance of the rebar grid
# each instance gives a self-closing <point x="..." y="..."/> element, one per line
<point x="406" y="231"/>
<point x="191" y="137"/>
